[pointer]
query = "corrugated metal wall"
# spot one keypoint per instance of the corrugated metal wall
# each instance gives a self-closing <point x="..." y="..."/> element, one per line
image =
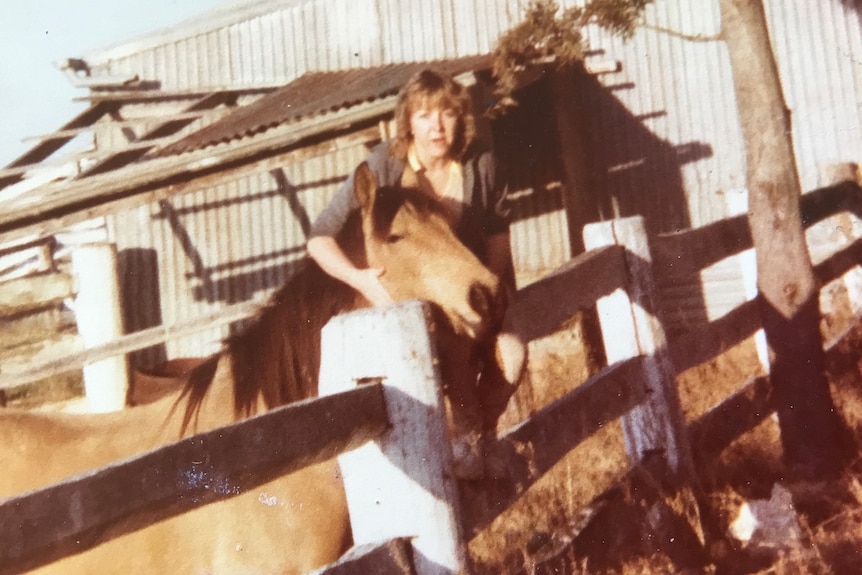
<point x="666" y="141"/>
<point x="271" y="43"/>
<point x="665" y="144"/>
<point x="224" y="245"/>
<point x="663" y="133"/>
<point x="819" y="50"/>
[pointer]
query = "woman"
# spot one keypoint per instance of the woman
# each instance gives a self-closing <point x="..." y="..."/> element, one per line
<point x="435" y="136"/>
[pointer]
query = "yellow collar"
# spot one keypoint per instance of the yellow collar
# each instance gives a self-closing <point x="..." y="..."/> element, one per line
<point x="413" y="159"/>
<point x="416" y="165"/>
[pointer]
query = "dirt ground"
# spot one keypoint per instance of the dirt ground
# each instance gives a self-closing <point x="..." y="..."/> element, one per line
<point x="589" y="516"/>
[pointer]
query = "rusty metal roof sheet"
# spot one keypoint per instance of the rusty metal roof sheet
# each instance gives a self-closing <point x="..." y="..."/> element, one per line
<point x="316" y="93"/>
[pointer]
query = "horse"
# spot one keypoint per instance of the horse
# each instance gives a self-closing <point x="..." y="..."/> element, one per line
<point x="273" y="362"/>
<point x="151" y="383"/>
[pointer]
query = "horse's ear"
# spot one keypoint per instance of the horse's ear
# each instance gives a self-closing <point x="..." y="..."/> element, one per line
<point x="409" y="179"/>
<point x="364" y="186"/>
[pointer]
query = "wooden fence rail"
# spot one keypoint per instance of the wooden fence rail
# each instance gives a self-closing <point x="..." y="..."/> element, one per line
<point x="683" y="255"/>
<point x="45" y="525"/>
<point x="687" y="252"/>
<point x="128" y="343"/>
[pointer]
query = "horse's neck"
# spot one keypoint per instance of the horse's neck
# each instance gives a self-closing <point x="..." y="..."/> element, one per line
<point x="275" y="360"/>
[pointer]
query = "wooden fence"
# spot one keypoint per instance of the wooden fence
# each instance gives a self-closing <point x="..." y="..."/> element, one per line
<point x="391" y="416"/>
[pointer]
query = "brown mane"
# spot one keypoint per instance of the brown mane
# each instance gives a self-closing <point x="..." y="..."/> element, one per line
<point x="277" y="357"/>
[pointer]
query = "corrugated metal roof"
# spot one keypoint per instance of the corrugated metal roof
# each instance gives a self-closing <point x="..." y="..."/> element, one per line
<point x="316" y="93"/>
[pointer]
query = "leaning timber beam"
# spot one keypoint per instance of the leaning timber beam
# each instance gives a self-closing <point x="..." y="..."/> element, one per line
<point x="43" y="150"/>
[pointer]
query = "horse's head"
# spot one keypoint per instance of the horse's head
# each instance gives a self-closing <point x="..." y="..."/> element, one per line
<point x="410" y="236"/>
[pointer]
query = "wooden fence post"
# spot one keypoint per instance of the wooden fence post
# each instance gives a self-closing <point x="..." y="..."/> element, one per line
<point x="401" y="484"/>
<point x="100" y="320"/>
<point x="629" y="328"/>
<point x="737" y="205"/>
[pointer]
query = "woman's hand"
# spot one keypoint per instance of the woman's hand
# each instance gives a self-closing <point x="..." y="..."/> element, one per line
<point x="328" y="255"/>
<point x="367" y="282"/>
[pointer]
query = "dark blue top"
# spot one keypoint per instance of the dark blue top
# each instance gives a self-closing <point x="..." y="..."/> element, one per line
<point x="484" y="213"/>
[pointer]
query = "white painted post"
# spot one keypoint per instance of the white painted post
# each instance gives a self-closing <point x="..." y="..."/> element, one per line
<point x="630" y="328"/>
<point x="737" y="204"/>
<point x="400" y="485"/>
<point x="99" y="318"/>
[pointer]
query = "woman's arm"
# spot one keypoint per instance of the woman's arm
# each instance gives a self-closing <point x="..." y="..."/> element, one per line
<point x="329" y="256"/>
<point x="324" y="249"/>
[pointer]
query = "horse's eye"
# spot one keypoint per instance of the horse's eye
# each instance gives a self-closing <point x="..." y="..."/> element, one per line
<point x="394" y="238"/>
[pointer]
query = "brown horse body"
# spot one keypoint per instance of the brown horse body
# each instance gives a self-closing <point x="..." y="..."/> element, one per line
<point x="299" y="521"/>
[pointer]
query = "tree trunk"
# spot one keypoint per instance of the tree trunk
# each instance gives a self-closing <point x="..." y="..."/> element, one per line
<point x="789" y="295"/>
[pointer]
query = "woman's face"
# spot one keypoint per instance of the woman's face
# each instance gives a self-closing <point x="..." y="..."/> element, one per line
<point x="433" y="128"/>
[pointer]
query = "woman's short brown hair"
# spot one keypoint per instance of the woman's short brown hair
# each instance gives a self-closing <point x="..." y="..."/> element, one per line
<point x="434" y="90"/>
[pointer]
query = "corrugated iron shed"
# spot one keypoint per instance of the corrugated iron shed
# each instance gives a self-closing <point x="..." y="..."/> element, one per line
<point x="273" y="42"/>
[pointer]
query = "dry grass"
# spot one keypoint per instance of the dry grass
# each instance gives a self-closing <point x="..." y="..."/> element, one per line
<point x="536" y="536"/>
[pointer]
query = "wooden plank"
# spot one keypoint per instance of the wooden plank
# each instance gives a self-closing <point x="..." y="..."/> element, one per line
<point x="393" y="557"/>
<point x="144" y="96"/>
<point x="163" y="129"/>
<point x="11" y="175"/>
<point x="839" y="263"/>
<point x="42" y="526"/>
<point x="40" y="244"/>
<point x="402" y="485"/>
<point x="129" y="343"/>
<point x="702" y="343"/>
<point x="34" y="292"/>
<point x="35" y="334"/>
<point x="688" y="251"/>
<point x="32" y="157"/>
<point x="133" y="122"/>
<point x="541" y="307"/>
<point x="532" y="447"/>
<point x="817" y="205"/>
<point x="736" y="414"/>
<point x="102" y="82"/>
<point x="748" y="406"/>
